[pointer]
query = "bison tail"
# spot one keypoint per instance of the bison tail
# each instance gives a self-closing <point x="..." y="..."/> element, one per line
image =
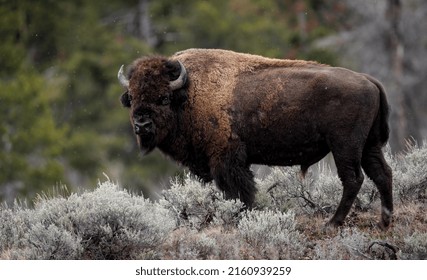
<point x="380" y="131"/>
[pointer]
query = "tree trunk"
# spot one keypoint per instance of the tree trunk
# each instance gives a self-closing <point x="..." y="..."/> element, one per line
<point x="398" y="118"/>
<point x="145" y="27"/>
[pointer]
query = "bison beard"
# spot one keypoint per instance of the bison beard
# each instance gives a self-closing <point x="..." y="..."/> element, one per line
<point x="217" y="112"/>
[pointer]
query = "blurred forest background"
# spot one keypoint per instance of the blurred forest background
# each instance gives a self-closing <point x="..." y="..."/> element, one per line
<point x="61" y="121"/>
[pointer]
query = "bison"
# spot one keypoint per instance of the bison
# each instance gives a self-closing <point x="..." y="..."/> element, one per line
<point x="218" y="111"/>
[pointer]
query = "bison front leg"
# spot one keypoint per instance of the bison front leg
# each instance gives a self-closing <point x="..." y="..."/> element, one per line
<point x="236" y="182"/>
<point x="233" y="176"/>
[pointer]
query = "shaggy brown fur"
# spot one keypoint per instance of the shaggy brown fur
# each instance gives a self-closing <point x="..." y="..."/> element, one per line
<point x="239" y="109"/>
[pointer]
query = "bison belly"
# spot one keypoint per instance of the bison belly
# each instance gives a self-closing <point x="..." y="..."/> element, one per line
<point x="284" y="145"/>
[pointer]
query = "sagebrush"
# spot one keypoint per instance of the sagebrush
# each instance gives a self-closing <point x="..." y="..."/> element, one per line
<point x="193" y="220"/>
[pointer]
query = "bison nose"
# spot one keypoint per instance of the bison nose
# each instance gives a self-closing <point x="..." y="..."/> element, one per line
<point x="143" y="127"/>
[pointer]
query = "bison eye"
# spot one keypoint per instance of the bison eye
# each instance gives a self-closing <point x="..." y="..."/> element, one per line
<point x="164" y="100"/>
<point x="125" y="99"/>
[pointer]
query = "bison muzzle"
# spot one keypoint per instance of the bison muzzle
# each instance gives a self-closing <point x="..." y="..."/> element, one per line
<point x="217" y="112"/>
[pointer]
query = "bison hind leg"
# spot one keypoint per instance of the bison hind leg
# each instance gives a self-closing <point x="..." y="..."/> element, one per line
<point x="377" y="169"/>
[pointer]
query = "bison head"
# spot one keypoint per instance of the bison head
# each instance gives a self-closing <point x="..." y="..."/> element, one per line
<point x="155" y="93"/>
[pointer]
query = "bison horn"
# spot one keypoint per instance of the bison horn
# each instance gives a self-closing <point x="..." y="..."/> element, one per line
<point x="180" y="81"/>
<point x="122" y="79"/>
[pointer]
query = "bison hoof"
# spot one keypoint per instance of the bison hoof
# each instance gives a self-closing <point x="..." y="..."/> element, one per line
<point x="331" y="227"/>
<point x="386" y="218"/>
<point x="384" y="225"/>
<point x="334" y="223"/>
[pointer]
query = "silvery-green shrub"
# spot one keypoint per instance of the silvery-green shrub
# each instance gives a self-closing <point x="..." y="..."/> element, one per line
<point x="198" y="206"/>
<point x="272" y="234"/>
<point x="410" y="172"/>
<point x="107" y="223"/>
<point x="347" y="244"/>
<point x="415" y="246"/>
<point x="284" y="189"/>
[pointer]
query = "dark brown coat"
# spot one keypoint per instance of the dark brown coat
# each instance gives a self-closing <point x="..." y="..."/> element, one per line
<point x="234" y="110"/>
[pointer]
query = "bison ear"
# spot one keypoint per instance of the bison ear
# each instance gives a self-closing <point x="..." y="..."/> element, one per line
<point x="173" y="69"/>
<point x="125" y="99"/>
<point x="177" y="74"/>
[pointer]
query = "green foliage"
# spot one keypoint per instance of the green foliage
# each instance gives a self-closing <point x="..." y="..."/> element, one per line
<point x="62" y="121"/>
<point x="31" y="144"/>
<point x="12" y="51"/>
<point x="269" y="27"/>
